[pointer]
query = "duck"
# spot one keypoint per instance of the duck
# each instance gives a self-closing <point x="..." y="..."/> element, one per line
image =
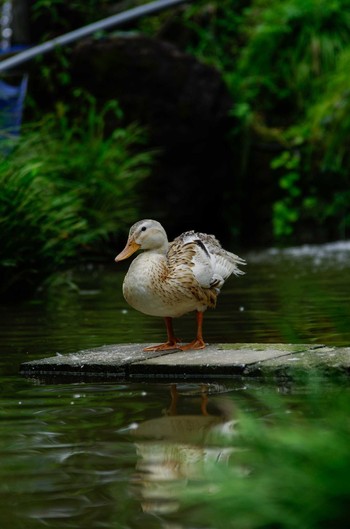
<point x="170" y="279"/>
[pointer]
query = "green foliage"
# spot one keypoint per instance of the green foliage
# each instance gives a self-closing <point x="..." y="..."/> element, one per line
<point x="40" y="225"/>
<point x="322" y="137"/>
<point x="290" y="46"/>
<point x="102" y="169"/>
<point x="287" y="471"/>
<point x="270" y="52"/>
<point x="61" y="13"/>
<point x="286" y="65"/>
<point x="304" y="61"/>
<point x="215" y="27"/>
<point x="328" y="119"/>
<point x="285" y="210"/>
<point x="65" y="188"/>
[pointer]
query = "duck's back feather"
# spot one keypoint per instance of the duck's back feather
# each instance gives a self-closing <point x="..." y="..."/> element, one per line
<point x="204" y="256"/>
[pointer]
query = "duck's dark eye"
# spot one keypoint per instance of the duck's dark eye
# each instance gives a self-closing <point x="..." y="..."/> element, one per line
<point x="143" y="228"/>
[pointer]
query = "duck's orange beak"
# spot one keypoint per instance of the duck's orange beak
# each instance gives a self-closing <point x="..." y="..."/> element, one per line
<point x="130" y="248"/>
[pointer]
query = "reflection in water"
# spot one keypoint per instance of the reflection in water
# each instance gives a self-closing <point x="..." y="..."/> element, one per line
<point x="177" y="447"/>
<point x="79" y="456"/>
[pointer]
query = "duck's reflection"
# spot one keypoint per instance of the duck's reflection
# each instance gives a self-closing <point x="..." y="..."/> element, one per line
<point x="179" y="446"/>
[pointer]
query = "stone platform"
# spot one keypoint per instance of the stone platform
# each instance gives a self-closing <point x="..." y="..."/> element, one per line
<point x="217" y="361"/>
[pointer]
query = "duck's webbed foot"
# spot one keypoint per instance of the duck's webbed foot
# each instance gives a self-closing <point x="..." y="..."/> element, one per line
<point x="163" y="346"/>
<point x="195" y="344"/>
<point x="198" y="342"/>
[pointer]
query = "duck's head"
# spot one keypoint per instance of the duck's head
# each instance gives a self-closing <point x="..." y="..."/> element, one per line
<point x="144" y="235"/>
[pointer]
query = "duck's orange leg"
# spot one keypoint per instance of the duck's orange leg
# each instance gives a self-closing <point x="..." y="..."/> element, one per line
<point x="198" y="342"/>
<point x="172" y="340"/>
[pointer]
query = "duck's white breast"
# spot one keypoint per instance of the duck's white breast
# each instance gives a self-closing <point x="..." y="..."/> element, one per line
<point x="147" y="289"/>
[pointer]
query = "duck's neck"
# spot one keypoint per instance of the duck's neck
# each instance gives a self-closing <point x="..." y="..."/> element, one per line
<point x="149" y="259"/>
<point x="161" y="250"/>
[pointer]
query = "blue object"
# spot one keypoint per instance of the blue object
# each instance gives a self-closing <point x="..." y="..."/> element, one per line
<point x="11" y="106"/>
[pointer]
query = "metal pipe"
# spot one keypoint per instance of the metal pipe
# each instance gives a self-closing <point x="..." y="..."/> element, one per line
<point x="114" y="20"/>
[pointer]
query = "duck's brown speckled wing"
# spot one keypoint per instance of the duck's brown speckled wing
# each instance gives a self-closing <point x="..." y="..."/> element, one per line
<point x="189" y="263"/>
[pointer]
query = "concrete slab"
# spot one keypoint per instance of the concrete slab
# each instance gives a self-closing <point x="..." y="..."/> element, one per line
<point x="217" y="361"/>
<point x="324" y="359"/>
<point x="106" y="361"/>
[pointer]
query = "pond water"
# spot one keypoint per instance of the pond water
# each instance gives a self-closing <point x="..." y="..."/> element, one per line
<point x="115" y="455"/>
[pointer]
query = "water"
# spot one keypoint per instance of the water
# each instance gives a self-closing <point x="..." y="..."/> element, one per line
<point x="119" y="455"/>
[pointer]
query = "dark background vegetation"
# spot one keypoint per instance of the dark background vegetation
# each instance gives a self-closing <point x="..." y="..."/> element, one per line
<point x="227" y="116"/>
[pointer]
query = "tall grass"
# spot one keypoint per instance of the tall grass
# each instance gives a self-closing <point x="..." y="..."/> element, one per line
<point x="65" y="188"/>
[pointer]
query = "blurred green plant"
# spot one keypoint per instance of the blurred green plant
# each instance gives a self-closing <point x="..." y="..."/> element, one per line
<point x="290" y="46"/>
<point x="328" y="119"/>
<point x="292" y="73"/>
<point x="65" y="16"/>
<point x="215" y="28"/>
<point x="285" y="210"/>
<point x="321" y="139"/>
<point x="287" y="470"/>
<point x="65" y="189"/>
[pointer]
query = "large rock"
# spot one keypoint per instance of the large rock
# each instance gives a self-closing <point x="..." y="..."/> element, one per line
<point x="185" y="105"/>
